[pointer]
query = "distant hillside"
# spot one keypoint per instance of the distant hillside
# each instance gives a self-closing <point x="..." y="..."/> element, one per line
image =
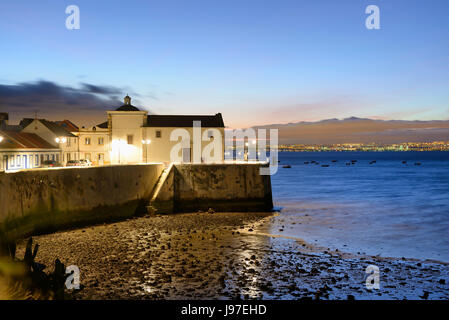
<point x="358" y="130"/>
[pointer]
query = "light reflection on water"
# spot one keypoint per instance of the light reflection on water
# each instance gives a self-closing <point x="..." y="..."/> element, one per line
<point x="387" y="208"/>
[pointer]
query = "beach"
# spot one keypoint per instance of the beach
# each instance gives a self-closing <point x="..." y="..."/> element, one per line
<point x="225" y="256"/>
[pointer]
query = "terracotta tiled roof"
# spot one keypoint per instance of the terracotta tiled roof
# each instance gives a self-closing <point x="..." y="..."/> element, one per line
<point x="53" y="126"/>
<point x="22" y="140"/>
<point x="68" y="125"/>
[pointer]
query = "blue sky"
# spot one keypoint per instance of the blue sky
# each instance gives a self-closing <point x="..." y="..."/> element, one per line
<point x="257" y="62"/>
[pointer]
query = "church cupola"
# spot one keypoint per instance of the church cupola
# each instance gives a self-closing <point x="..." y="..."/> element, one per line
<point x="127" y="100"/>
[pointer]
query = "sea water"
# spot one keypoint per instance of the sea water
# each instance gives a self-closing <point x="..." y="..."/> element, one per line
<point x="387" y="207"/>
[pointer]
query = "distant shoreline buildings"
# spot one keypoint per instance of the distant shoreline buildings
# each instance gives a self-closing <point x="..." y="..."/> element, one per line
<point x="373" y="147"/>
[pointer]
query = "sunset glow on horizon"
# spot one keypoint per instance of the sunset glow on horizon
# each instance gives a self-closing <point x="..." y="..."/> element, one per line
<point x="257" y="64"/>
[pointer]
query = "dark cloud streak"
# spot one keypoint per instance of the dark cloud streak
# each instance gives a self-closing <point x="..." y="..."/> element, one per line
<point x="53" y="100"/>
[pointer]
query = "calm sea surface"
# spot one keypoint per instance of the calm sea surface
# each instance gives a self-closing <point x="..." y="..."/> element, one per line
<point x="386" y="208"/>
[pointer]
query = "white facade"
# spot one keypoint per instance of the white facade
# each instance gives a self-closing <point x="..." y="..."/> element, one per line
<point x="126" y="136"/>
<point x="27" y="158"/>
<point x="161" y="145"/>
<point x="24" y="151"/>
<point x="56" y="136"/>
<point x="135" y="138"/>
<point x="94" y="145"/>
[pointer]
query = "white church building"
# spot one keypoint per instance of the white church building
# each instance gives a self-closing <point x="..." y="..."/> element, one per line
<point x="131" y="135"/>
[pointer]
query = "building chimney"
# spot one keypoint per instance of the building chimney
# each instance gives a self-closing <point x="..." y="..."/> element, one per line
<point x="4" y="118"/>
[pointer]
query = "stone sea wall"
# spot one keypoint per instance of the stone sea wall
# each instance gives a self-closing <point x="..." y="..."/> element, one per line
<point x="222" y="187"/>
<point x="46" y="200"/>
<point x="43" y="200"/>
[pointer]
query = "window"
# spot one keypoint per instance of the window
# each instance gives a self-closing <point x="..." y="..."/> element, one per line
<point x="87" y="141"/>
<point x="36" y="160"/>
<point x="101" y="141"/>
<point x="18" y="161"/>
<point x="210" y="134"/>
<point x="158" y="134"/>
<point x="11" y="162"/>
<point x="87" y="156"/>
<point x="129" y="137"/>
<point x="68" y="142"/>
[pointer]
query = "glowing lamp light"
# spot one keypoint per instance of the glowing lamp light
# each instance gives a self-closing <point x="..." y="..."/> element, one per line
<point x="1" y="138"/>
<point x="62" y="140"/>
<point x="148" y="141"/>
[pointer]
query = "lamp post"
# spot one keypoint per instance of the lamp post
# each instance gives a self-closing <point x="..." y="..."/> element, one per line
<point x="119" y="143"/>
<point x="60" y="140"/>
<point x="146" y="143"/>
<point x="245" y="155"/>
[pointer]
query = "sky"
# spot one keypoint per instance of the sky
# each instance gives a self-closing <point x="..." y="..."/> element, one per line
<point x="256" y="62"/>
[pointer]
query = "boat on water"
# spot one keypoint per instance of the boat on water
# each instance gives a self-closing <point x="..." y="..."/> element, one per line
<point x="287" y="166"/>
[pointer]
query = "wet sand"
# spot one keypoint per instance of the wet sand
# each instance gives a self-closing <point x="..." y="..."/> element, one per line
<point x="225" y="256"/>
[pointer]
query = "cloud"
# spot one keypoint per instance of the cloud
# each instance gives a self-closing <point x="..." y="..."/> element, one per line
<point x="90" y="88"/>
<point x="52" y="100"/>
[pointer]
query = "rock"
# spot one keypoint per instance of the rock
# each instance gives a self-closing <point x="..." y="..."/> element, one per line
<point x="425" y="295"/>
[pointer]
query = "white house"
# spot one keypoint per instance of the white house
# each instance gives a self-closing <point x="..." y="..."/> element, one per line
<point x="136" y="137"/>
<point x="56" y="134"/>
<point x="94" y="144"/>
<point x="21" y="150"/>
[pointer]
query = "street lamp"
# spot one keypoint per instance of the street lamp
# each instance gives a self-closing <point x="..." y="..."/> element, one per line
<point x="146" y="143"/>
<point x="61" y="140"/>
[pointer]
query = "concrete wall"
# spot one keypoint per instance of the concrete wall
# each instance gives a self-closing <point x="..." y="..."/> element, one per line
<point x="44" y="200"/>
<point x="222" y="187"/>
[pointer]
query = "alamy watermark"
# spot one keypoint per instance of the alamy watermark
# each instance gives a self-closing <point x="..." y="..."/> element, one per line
<point x="373" y="279"/>
<point x="72" y="22"/>
<point x="239" y="145"/>
<point x="73" y="280"/>
<point x="372" y="22"/>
